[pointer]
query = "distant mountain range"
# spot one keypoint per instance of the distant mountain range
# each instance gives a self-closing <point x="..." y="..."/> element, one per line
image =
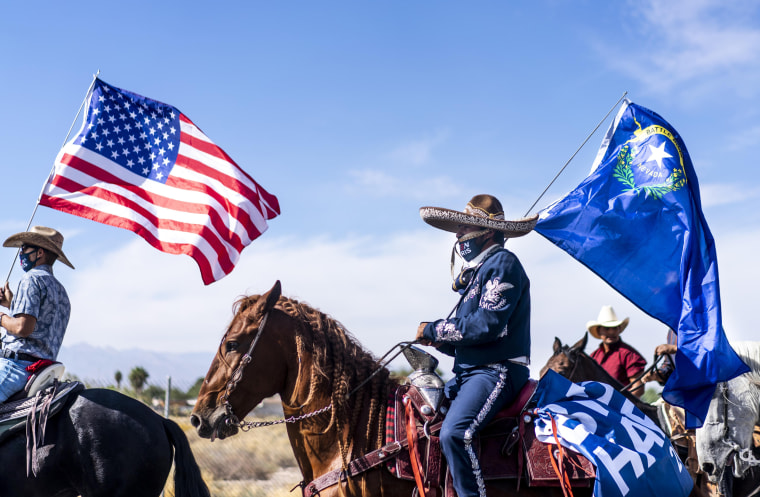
<point x="97" y="365"/>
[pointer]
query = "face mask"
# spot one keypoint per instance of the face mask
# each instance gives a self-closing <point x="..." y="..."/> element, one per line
<point x="471" y="245"/>
<point x="26" y="262"/>
<point x="469" y="249"/>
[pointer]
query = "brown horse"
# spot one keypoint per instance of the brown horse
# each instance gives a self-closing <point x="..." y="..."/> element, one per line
<point x="573" y="363"/>
<point x="314" y="364"/>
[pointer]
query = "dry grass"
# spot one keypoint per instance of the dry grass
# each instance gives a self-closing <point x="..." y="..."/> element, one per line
<point x="256" y="463"/>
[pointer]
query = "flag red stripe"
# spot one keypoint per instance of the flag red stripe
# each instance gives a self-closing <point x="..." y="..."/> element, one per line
<point x="272" y="205"/>
<point x="240" y="214"/>
<point x="217" y="222"/>
<point x="160" y="223"/>
<point x="209" y="147"/>
<point x="61" y="204"/>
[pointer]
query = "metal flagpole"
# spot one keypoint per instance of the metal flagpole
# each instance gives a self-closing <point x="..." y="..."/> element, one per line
<point x="52" y="170"/>
<point x="576" y="153"/>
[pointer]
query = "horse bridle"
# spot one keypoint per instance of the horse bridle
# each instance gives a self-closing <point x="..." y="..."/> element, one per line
<point x="745" y="454"/>
<point x="237" y="375"/>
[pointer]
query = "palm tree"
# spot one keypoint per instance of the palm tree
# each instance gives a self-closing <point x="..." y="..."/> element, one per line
<point x="137" y="378"/>
<point x="117" y="376"/>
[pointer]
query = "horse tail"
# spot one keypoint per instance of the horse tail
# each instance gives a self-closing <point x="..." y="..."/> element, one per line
<point x="188" y="481"/>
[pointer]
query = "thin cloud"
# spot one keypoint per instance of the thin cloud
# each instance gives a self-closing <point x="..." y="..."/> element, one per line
<point x="380" y="289"/>
<point x="704" y="43"/>
<point x="419" y="152"/>
<point x="744" y="139"/>
<point x="715" y="194"/>
<point x="382" y="184"/>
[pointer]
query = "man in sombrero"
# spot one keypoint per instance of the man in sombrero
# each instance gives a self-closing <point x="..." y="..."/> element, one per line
<point x="620" y="360"/>
<point x="489" y="334"/>
<point x="39" y="311"/>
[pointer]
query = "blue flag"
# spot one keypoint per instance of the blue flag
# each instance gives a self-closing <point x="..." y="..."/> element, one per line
<point x="631" y="454"/>
<point x="637" y="222"/>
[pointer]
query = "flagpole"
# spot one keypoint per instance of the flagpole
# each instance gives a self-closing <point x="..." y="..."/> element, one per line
<point x="52" y="170"/>
<point x="576" y="153"/>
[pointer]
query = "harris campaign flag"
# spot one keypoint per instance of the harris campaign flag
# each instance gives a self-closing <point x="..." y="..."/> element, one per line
<point x="142" y="165"/>
<point x="637" y="222"/>
<point x="631" y="454"/>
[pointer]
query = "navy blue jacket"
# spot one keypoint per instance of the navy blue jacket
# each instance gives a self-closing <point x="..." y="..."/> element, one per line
<point x="492" y="320"/>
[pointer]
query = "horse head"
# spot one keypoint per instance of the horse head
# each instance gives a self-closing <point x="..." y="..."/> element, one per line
<point x="565" y="357"/>
<point x="727" y="430"/>
<point x="250" y="365"/>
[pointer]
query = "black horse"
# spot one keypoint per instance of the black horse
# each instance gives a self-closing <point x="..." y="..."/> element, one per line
<point x="102" y="444"/>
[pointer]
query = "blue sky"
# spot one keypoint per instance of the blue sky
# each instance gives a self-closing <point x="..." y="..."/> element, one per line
<point x="355" y="114"/>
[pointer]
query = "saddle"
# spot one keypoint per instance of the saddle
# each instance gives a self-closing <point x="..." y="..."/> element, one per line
<point x="507" y="447"/>
<point x="42" y="395"/>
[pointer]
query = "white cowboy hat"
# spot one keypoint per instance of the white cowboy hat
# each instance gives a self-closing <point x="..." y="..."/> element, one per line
<point x="608" y="319"/>
<point x="483" y="211"/>
<point x="42" y="237"/>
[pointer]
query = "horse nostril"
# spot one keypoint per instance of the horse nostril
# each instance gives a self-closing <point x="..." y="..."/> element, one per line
<point x="195" y="420"/>
<point x="708" y="468"/>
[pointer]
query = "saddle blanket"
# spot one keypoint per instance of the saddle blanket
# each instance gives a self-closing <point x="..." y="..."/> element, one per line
<point x="497" y="446"/>
<point x="14" y="414"/>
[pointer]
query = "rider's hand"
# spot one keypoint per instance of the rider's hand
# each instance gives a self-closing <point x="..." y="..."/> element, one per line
<point x="665" y="348"/>
<point x="420" y="337"/>
<point x="6" y="296"/>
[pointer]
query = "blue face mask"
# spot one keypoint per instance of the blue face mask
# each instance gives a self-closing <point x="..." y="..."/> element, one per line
<point x="469" y="249"/>
<point x="26" y="262"/>
<point x="471" y="245"/>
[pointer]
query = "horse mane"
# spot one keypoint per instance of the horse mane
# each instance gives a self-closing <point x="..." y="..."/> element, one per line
<point x="749" y="352"/>
<point x="340" y="363"/>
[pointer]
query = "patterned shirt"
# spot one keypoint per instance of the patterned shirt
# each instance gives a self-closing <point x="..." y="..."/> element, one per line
<point x="492" y="321"/>
<point x="622" y="362"/>
<point x="41" y="295"/>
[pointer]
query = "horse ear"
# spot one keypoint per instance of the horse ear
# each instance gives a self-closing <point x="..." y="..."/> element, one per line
<point x="272" y="296"/>
<point x="581" y="344"/>
<point x="557" y="346"/>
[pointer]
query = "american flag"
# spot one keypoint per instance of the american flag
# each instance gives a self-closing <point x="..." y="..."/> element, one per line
<point x="142" y="165"/>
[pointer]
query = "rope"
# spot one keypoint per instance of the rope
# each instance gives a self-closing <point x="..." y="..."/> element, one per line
<point x="573" y="156"/>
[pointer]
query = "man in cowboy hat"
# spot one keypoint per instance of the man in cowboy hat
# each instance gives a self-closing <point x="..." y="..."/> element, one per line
<point x="619" y="359"/>
<point x="39" y="312"/>
<point x="489" y="335"/>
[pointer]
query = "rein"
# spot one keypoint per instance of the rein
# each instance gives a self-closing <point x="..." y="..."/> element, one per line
<point x="235" y="378"/>
<point x="624" y="388"/>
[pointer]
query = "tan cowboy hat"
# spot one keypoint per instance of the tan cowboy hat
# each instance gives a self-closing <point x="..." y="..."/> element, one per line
<point x="42" y="237"/>
<point x="483" y="211"/>
<point x="608" y="319"/>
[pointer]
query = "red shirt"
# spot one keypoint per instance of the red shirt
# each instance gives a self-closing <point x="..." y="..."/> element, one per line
<point x="621" y="362"/>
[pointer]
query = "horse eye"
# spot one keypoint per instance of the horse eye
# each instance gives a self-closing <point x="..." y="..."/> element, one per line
<point x="231" y="346"/>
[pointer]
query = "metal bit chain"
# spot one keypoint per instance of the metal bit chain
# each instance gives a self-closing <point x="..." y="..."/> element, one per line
<point x="745" y="455"/>
<point x="247" y="425"/>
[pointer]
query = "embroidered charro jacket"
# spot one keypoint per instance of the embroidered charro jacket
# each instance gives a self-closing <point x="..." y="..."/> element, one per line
<point x="492" y="320"/>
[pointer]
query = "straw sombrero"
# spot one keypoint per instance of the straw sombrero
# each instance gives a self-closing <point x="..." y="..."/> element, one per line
<point x="606" y="318"/>
<point x="43" y="237"/>
<point x="483" y="211"/>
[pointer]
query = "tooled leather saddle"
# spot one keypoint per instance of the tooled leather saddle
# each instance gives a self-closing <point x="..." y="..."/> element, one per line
<point x="507" y="447"/>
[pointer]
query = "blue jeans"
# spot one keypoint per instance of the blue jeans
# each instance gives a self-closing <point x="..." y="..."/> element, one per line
<point x="476" y="396"/>
<point x="13" y="376"/>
